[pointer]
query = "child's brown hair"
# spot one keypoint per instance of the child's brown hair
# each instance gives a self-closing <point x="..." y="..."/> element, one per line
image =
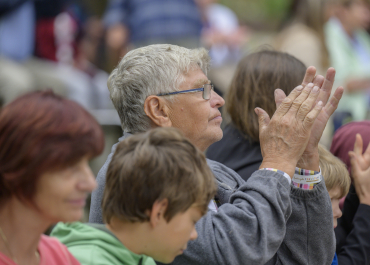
<point x="334" y="171"/>
<point x="159" y="164"/>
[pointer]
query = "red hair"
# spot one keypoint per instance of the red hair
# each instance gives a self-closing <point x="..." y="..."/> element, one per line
<point x="41" y="132"/>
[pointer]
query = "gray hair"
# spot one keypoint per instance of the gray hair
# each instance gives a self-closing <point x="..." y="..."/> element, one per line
<point x="149" y="71"/>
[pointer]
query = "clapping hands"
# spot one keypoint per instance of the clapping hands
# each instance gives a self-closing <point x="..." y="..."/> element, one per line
<point x="310" y="156"/>
<point x="284" y="137"/>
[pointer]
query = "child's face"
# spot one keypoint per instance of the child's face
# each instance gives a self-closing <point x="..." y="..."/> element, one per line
<point x="334" y="194"/>
<point x="174" y="235"/>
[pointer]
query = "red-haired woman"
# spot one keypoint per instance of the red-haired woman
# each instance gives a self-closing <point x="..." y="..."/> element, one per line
<point x="45" y="144"/>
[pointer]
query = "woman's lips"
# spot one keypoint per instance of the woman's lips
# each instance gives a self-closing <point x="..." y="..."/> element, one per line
<point x="78" y="202"/>
<point x="218" y="117"/>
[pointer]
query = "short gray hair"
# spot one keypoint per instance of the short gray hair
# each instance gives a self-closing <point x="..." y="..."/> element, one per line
<point x="149" y="71"/>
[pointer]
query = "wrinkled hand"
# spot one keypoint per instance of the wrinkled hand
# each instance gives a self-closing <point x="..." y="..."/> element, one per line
<point x="284" y="138"/>
<point x="360" y="164"/>
<point x="310" y="156"/>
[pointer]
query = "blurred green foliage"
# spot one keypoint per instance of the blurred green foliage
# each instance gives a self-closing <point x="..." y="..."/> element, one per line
<point x="263" y="14"/>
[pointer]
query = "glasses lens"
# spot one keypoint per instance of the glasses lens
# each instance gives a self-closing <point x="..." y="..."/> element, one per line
<point x="207" y="91"/>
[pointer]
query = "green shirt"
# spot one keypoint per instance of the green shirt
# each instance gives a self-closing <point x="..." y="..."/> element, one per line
<point x="94" y="244"/>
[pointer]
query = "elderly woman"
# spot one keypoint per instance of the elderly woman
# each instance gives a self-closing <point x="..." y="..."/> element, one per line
<point x="253" y="85"/>
<point x="45" y="144"/>
<point x="166" y="86"/>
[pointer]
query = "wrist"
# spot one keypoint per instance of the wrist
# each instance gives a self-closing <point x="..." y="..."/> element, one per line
<point x="284" y="166"/>
<point x="309" y="160"/>
<point x="364" y="200"/>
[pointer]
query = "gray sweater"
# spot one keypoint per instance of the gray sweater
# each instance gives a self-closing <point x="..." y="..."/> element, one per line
<point x="253" y="226"/>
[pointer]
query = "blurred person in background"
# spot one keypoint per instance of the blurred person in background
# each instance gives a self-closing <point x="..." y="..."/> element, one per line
<point x="253" y="85"/>
<point x="133" y="24"/>
<point x="224" y="37"/>
<point x="66" y="39"/>
<point x="354" y="226"/>
<point x="303" y="33"/>
<point x="17" y="37"/>
<point x="43" y="44"/>
<point x="348" y="44"/>
<point x="45" y="144"/>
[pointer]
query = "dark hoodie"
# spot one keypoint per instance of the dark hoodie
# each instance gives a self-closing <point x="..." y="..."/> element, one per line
<point x="237" y="152"/>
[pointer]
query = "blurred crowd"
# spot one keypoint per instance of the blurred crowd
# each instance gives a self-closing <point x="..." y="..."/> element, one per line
<point x="66" y="46"/>
<point x="108" y="62"/>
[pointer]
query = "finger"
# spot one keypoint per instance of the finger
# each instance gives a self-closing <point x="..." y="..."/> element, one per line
<point x="318" y="80"/>
<point x="355" y="167"/>
<point x="312" y="115"/>
<point x="309" y="76"/>
<point x="279" y="97"/>
<point x="367" y="152"/>
<point x="332" y="104"/>
<point x="263" y="119"/>
<point x="287" y="102"/>
<point x="327" y="85"/>
<point x="357" y="149"/>
<point x="297" y="103"/>
<point x="308" y="104"/>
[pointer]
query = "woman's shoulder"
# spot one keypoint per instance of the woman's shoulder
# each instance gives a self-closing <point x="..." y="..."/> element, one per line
<point x="52" y="252"/>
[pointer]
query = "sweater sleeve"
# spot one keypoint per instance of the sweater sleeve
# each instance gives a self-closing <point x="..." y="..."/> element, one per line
<point x="356" y="249"/>
<point x="309" y="237"/>
<point x="249" y="229"/>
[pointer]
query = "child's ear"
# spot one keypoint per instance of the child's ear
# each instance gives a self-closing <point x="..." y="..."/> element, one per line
<point x="157" y="214"/>
<point x="157" y="110"/>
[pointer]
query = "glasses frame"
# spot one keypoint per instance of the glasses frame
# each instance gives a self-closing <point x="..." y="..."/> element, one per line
<point x="190" y="91"/>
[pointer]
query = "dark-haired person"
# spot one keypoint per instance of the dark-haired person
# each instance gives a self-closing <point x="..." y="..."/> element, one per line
<point x="166" y="86"/>
<point x="158" y="186"/>
<point x="45" y="144"/>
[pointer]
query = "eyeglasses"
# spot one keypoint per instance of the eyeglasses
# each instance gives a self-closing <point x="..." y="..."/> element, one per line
<point x="207" y="88"/>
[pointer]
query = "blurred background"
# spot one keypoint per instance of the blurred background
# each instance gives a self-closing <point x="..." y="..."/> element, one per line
<point x="71" y="46"/>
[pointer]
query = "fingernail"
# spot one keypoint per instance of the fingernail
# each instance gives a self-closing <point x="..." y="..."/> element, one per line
<point x="319" y="104"/>
<point x="299" y="88"/>
<point x="310" y="85"/>
<point x="315" y="89"/>
<point x="256" y="111"/>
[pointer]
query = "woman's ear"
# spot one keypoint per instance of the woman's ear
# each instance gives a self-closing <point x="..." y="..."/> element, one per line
<point x="157" y="213"/>
<point x="157" y="110"/>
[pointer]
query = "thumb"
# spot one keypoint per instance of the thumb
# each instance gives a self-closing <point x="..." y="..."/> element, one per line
<point x="263" y="118"/>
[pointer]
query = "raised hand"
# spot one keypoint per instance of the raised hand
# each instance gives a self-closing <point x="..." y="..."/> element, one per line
<point x="310" y="157"/>
<point x="363" y="159"/>
<point x="360" y="165"/>
<point x="284" y="138"/>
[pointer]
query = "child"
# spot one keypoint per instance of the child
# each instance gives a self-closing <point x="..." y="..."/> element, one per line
<point x="158" y="186"/>
<point x="337" y="182"/>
